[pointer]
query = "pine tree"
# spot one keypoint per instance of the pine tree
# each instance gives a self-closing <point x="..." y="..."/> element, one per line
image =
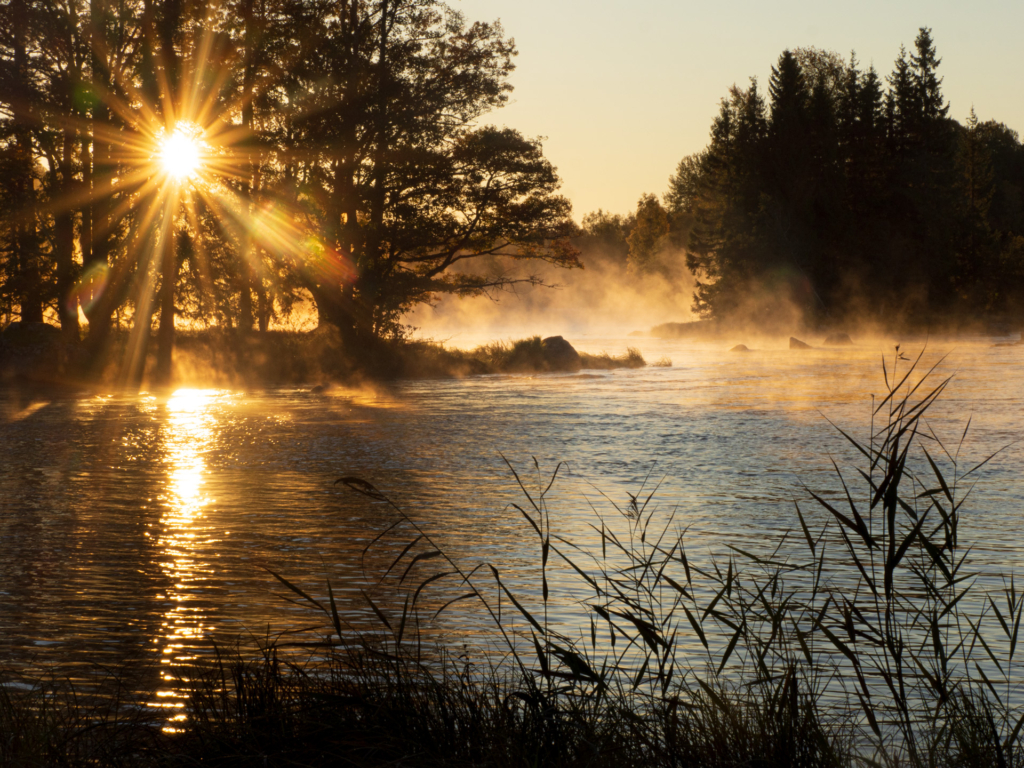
<point x="927" y="84"/>
<point x="903" y="107"/>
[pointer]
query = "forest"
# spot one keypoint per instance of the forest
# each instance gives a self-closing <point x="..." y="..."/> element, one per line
<point x="840" y="197"/>
<point x="344" y="166"/>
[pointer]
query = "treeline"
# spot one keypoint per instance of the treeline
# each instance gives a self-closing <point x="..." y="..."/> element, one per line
<point x="341" y="162"/>
<point x="839" y="194"/>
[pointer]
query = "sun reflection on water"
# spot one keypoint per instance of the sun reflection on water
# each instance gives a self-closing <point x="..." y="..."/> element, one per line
<point x="186" y="540"/>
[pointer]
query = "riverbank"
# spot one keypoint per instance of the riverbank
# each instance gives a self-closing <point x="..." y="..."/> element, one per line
<point x="39" y="355"/>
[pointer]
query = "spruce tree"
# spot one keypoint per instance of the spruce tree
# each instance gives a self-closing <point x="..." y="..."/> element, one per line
<point x="902" y="106"/>
<point x="927" y="84"/>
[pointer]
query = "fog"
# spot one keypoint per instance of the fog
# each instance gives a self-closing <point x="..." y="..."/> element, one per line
<point x="604" y="299"/>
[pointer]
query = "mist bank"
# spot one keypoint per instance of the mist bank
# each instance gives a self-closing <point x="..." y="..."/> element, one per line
<point x="603" y="298"/>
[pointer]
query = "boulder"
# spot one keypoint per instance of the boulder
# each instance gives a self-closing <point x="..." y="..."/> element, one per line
<point x="740" y="348"/>
<point x="838" y="340"/>
<point x="560" y="355"/>
<point x="795" y="343"/>
<point x="32" y="351"/>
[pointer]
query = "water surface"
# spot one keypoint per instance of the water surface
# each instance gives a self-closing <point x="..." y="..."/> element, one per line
<point x="136" y="528"/>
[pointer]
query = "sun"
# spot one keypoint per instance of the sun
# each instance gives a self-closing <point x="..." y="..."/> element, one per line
<point x="181" y="151"/>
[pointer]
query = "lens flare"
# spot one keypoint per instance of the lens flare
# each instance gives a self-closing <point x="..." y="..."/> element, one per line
<point x="89" y="288"/>
<point x="181" y="151"/>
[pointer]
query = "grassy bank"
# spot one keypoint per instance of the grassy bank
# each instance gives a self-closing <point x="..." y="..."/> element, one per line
<point x="278" y="357"/>
<point x="847" y="643"/>
<point x="226" y="358"/>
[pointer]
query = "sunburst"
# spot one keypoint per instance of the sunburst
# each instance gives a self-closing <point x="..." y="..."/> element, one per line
<point x="181" y="151"/>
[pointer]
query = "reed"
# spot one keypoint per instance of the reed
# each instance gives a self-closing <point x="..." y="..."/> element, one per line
<point x="849" y="642"/>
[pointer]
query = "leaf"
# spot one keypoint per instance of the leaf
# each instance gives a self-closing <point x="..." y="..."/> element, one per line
<point x="906" y="543"/>
<point x="335" y="618"/>
<point x="807" y="533"/>
<point x="936" y="556"/>
<point x="640" y="674"/>
<point x="1011" y="742"/>
<point x="432" y="579"/>
<point x="401" y="625"/>
<point x="576" y="663"/>
<point x="420" y="558"/>
<point x="676" y="586"/>
<point x="516" y="603"/>
<point x="648" y="631"/>
<point x="872" y="721"/>
<point x="453" y="601"/>
<point x="408" y="546"/>
<point x="858" y="529"/>
<point x="696" y="627"/>
<point x="839" y="644"/>
<point x="718" y="700"/>
<point x="730" y="648"/>
<point x="938" y="475"/>
<point x="361" y="486"/>
<point x="377" y="611"/>
<point x="294" y="589"/>
<point x="528" y="519"/>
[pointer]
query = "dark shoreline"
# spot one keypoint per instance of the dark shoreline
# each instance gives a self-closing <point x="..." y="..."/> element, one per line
<point x="287" y="358"/>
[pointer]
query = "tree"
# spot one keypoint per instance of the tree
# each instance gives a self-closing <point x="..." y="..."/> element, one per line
<point x="649" y="234"/>
<point x="418" y="187"/>
<point x="346" y="159"/>
<point x="723" y="252"/>
<point x="975" y="240"/>
<point x="928" y="84"/>
<point x="850" y="194"/>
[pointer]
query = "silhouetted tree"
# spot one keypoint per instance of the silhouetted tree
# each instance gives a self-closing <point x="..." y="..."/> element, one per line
<point x="844" y="195"/>
<point x="353" y="171"/>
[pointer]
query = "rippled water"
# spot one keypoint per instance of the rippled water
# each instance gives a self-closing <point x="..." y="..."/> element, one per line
<point x="135" y="528"/>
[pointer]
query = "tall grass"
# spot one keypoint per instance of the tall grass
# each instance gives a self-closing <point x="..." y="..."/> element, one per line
<point x="856" y="647"/>
<point x="528" y="356"/>
<point x="860" y="638"/>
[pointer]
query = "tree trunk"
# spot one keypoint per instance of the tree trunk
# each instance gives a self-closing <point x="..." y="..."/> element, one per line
<point x="64" y="247"/>
<point x="245" y="304"/>
<point x="26" y="241"/>
<point x="98" y="172"/>
<point x="168" y="279"/>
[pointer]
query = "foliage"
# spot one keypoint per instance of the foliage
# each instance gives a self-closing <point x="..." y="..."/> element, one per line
<point x="843" y="198"/>
<point x="345" y="164"/>
<point x="648" y="234"/>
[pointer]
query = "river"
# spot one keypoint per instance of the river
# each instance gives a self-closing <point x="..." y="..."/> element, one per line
<point x="136" y="528"/>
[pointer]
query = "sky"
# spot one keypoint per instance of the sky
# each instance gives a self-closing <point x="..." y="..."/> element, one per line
<point x="623" y="91"/>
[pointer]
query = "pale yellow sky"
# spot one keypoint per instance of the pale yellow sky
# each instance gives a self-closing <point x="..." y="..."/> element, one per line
<point x="623" y="91"/>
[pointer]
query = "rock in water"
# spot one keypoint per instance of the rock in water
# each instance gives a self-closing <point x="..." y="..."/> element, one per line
<point x="838" y="340"/>
<point x="32" y="352"/>
<point x="560" y="355"/>
<point x="795" y="343"/>
<point x="740" y="348"/>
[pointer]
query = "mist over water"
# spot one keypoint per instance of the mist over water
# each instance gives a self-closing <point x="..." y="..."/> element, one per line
<point x="601" y="300"/>
<point x="135" y="526"/>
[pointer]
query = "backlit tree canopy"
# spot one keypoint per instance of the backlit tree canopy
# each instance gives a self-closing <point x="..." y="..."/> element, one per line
<point x="340" y="156"/>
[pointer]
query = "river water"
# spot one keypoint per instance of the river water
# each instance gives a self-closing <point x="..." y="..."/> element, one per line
<point x="136" y="528"/>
